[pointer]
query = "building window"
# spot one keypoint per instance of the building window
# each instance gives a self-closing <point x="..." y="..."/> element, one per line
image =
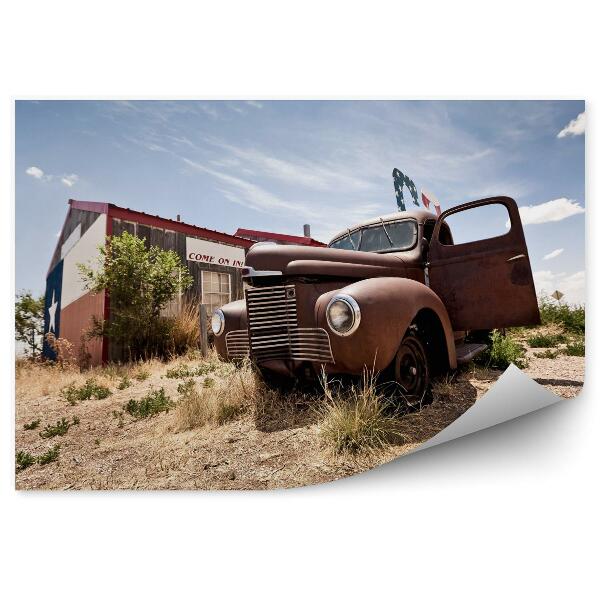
<point x="216" y="289"/>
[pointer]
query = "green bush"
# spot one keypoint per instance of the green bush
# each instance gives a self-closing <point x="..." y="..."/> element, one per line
<point x="151" y="404"/>
<point x="61" y="428"/>
<point x="547" y="340"/>
<point x="33" y="425"/>
<point x="124" y="383"/>
<point x="141" y="282"/>
<point x="572" y="318"/>
<point x="142" y="375"/>
<point x="24" y="460"/>
<point x="503" y="351"/>
<point x="576" y="348"/>
<point x="49" y="456"/>
<point x="547" y="354"/>
<point x="89" y="390"/>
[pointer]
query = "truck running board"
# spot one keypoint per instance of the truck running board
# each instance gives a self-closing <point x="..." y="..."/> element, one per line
<point x="467" y="352"/>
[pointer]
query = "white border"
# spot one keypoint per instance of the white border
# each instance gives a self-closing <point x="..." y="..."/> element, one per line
<point x="510" y="512"/>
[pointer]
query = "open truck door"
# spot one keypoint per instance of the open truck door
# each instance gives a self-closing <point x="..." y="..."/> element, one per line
<point x="485" y="283"/>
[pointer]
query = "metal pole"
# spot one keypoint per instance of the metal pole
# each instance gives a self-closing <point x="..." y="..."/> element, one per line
<point x="203" y="331"/>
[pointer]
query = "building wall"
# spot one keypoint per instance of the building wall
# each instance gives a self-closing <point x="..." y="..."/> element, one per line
<point x="67" y="299"/>
<point x="174" y="240"/>
<point x="76" y="319"/>
<point x="76" y="219"/>
<point x="73" y="307"/>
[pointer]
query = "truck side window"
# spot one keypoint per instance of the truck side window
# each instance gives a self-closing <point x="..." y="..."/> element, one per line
<point x="477" y="223"/>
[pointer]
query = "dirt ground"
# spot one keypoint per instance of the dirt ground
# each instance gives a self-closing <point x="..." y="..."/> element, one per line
<point x="109" y="450"/>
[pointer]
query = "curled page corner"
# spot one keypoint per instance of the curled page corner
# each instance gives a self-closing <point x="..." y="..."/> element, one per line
<point x="513" y="395"/>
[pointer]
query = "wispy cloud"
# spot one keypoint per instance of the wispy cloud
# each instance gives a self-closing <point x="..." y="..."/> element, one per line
<point x="321" y="175"/>
<point x="554" y="253"/>
<point x="35" y="172"/>
<point x="70" y="180"/>
<point x="249" y="194"/>
<point x="575" y="127"/>
<point x="254" y="103"/>
<point x="551" y="211"/>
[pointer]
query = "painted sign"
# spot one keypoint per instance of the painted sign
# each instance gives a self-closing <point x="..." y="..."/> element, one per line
<point x="212" y="253"/>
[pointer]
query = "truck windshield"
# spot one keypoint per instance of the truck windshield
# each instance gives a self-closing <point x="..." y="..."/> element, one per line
<point x="384" y="237"/>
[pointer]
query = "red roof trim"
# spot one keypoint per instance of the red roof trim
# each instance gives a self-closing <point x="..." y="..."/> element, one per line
<point x="97" y="207"/>
<point x="128" y="214"/>
<point x="283" y="237"/>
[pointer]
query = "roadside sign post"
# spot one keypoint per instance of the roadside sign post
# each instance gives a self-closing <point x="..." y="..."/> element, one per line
<point x="203" y="331"/>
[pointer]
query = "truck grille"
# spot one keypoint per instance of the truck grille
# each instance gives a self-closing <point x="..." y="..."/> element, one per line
<point x="273" y="328"/>
<point x="237" y="343"/>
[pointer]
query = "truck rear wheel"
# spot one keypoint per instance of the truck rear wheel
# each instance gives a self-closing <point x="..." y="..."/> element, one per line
<point x="411" y="371"/>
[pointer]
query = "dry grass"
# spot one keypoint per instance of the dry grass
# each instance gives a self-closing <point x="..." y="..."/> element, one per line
<point x="183" y="329"/>
<point x="229" y="430"/>
<point x="215" y="402"/>
<point x="357" y="419"/>
<point x="43" y="379"/>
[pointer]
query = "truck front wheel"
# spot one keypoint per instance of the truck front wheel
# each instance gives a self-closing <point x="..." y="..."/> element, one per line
<point x="411" y="371"/>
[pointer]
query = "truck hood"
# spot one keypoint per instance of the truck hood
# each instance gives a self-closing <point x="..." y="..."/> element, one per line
<point x="327" y="262"/>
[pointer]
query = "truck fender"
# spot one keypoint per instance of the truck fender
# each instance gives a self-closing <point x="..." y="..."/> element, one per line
<point x="388" y="307"/>
<point x="235" y="319"/>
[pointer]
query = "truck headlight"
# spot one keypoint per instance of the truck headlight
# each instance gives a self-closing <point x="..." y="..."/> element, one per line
<point x="343" y="314"/>
<point x="217" y="322"/>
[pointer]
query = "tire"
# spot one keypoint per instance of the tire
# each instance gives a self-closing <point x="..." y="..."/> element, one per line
<point x="412" y="372"/>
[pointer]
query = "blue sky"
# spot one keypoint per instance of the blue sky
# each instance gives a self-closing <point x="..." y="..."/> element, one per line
<point x="275" y="165"/>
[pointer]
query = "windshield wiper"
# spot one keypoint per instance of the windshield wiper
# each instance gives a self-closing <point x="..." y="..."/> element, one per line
<point x="387" y="235"/>
<point x="352" y="241"/>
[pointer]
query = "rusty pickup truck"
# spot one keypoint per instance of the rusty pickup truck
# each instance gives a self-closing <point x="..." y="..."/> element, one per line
<point x="395" y="294"/>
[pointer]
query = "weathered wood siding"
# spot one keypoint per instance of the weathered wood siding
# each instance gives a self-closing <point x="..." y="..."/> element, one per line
<point x="174" y="240"/>
<point x="74" y="218"/>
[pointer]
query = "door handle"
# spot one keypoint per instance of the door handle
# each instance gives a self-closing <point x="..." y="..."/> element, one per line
<point x="517" y="257"/>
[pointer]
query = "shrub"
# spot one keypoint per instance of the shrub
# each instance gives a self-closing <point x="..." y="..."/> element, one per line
<point x="546" y="340"/>
<point x="357" y="419"/>
<point x="33" y="425"/>
<point x="49" y="456"/>
<point x="142" y="375"/>
<point x="29" y="322"/>
<point x="576" y="348"/>
<point x="151" y="404"/>
<point x="124" y="383"/>
<point x="64" y="355"/>
<point x="61" y="428"/>
<point x="89" y="390"/>
<point x="572" y="318"/>
<point x="141" y="282"/>
<point x="24" y="460"/>
<point x="547" y="354"/>
<point x="503" y="351"/>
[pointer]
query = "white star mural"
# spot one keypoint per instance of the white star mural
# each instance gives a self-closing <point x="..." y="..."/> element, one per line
<point x="52" y="313"/>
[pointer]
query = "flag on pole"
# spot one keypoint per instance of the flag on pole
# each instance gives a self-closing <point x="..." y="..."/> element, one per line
<point x="428" y="198"/>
